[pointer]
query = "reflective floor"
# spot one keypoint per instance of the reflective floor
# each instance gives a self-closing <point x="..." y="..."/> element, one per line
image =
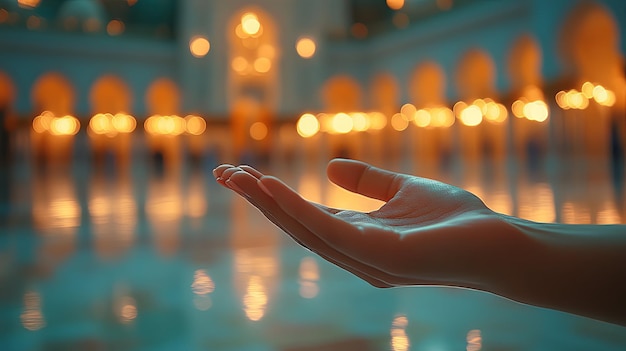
<point x="164" y="259"/>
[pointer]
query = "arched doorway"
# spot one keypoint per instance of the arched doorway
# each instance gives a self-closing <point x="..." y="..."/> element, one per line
<point x="475" y="80"/>
<point x="590" y="48"/>
<point x="342" y="94"/>
<point x="253" y="77"/>
<point x="110" y="95"/>
<point x="529" y="130"/>
<point x="427" y="87"/>
<point x="53" y="92"/>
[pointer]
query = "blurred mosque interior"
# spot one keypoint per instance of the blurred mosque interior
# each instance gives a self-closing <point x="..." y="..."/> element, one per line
<point x="114" y="235"/>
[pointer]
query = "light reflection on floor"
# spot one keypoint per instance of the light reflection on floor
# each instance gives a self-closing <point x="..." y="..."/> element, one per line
<point x="149" y="260"/>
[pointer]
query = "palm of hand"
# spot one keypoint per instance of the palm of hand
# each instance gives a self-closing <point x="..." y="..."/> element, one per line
<point x="407" y="241"/>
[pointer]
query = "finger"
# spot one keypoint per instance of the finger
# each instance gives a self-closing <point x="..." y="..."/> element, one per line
<point x="219" y="170"/>
<point x="362" y="178"/>
<point x="334" y="231"/>
<point x="257" y="174"/>
<point x="266" y="204"/>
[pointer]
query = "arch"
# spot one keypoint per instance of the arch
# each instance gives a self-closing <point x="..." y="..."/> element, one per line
<point x="53" y="92"/>
<point x="524" y="64"/>
<point x="427" y="84"/>
<point x="341" y="93"/>
<point x="253" y="57"/>
<point x="7" y="90"/>
<point x="475" y="75"/>
<point x="163" y="97"/>
<point x="384" y="93"/>
<point x="110" y="94"/>
<point x="590" y="38"/>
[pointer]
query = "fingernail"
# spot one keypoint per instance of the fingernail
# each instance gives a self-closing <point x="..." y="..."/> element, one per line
<point x="265" y="190"/>
<point x="234" y="186"/>
<point x="215" y="172"/>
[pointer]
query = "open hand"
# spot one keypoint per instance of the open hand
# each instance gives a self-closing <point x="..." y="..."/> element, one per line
<point x="426" y="233"/>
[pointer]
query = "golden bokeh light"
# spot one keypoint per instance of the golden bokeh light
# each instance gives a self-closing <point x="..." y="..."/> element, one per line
<point x="378" y="120"/>
<point x="399" y="338"/>
<point x="258" y="131"/>
<point x="164" y="125"/>
<point x="471" y="116"/>
<point x="111" y="125"/>
<point x="399" y="122"/>
<point x="255" y="300"/>
<point x="262" y="65"/>
<point x="342" y="123"/>
<point x="29" y="4"/>
<point x="239" y="64"/>
<point x="306" y="47"/>
<point x="307" y="125"/>
<point x="422" y="118"/>
<point x="195" y="125"/>
<point x="395" y="4"/>
<point x="360" y="121"/>
<point x="408" y="111"/>
<point x="250" y="23"/>
<point x="199" y="46"/>
<point x="66" y="125"/>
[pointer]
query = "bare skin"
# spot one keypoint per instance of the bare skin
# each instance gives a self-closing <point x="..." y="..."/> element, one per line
<point x="432" y="233"/>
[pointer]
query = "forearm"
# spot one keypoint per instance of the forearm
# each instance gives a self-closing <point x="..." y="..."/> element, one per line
<point x="579" y="269"/>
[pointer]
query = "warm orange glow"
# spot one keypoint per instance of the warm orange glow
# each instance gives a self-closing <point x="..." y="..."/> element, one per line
<point x="395" y="4"/>
<point x="408" y="111"/>
<point x="378" y="120"/>
<point x="471" y="116"/>
<point x="342" y="123"/>
<point x="239" y="64"/>
<point x="195" y="125"/>
<point x="115" y="27"/>
<point x="536" y="111"/>
<point x="250" y="23"/>
<point x="199" y="46"/>
<point x="123" y="123"/>
<point x="262" y="65"/>
<point x="126" y="309"/>
<point x="307" y="125"/>
<point x="399" y="122"/>
<point x="42" y="122"/>
<point x="587" y="89"/>
<point x="474" y="340"/>
<point x="305" y="47"/>
<point x="360" y="122"/>
<point x="422" y="118"/>
<point x="110" y="125"/>
<point x="255" y="300"/>
<point x="267" y="50"/>
<point x="399" y="339"/>
<point x="258" y="131"/>
<point x="28" y="3"/>
<point x="164" y="125"/>
<point x="66" y="125"/>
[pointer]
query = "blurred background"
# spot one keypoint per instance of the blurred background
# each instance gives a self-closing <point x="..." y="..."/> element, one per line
<point x="114" y="235"/>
